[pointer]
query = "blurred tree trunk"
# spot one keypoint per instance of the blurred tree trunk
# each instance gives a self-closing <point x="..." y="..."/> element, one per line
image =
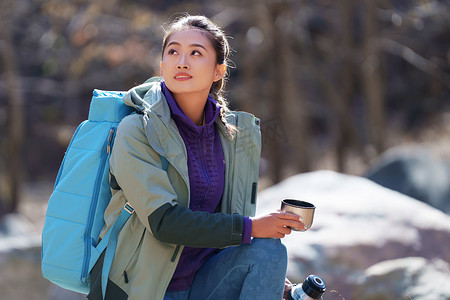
<point x="296" y="125"/>
<point x="15" y="111"/>
<point x="290" y="145"/>
<point x="372" y="77"/>
<point x="340" y="90"/>
<point x="252" y="96"/>
<point x="347" y="136"/>
<point x="276" y="98"/>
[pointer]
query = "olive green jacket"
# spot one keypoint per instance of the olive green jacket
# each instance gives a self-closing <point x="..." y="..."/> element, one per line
<point x="150" y="243"/>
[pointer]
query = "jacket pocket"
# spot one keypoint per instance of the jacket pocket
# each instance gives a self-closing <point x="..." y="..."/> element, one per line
<point x="126" y="255"/>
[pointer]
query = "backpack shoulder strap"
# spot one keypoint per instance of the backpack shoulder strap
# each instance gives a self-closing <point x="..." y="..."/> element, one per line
<point x="125" y="214"/>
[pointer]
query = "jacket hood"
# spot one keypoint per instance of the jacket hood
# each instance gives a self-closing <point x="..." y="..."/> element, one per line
<point x="148" y="97"/>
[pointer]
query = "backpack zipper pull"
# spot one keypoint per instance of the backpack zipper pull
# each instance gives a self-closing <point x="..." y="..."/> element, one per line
<point x="110" y="136"/>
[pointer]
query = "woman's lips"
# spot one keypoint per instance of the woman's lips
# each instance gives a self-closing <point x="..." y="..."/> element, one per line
<point x="182" y="76"/>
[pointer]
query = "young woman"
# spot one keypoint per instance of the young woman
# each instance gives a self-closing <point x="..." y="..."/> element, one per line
<point x="192" y="235"/>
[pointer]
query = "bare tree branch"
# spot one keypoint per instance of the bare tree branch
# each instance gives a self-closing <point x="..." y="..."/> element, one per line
<point x="416" y="60"/>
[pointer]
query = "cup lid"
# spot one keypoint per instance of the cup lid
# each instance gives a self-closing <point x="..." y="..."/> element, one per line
<point x="314" y="286"/>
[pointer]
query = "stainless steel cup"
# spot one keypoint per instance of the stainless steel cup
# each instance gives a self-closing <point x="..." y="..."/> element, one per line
<point x="302" y="208"/>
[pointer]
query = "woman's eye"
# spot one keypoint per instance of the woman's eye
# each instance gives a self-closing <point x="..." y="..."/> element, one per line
<point x="196" y="52"/>
<point x="171" y="51"/>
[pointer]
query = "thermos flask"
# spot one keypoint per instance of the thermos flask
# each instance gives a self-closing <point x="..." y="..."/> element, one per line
<point x="312" y="288"/>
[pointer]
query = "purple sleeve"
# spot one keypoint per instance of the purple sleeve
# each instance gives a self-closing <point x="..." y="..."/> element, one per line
<point x="247" y="233"/>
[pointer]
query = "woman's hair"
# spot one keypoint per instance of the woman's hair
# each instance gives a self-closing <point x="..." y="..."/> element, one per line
<point x="221" y="46"/>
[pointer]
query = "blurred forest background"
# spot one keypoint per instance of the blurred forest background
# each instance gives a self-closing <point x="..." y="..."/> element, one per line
<point x="335" y="83"/>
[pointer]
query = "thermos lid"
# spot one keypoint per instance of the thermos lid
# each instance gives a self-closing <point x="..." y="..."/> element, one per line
<point x="314" y="286"/>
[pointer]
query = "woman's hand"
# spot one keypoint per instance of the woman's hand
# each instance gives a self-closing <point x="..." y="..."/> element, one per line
<point x="287" y="288"/>
<point x="275" y="225"/>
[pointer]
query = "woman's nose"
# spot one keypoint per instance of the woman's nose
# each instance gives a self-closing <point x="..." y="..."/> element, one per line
<point x="182" y="64"/>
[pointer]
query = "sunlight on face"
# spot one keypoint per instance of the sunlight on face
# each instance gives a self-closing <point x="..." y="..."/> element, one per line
<point x="189" y="63"/>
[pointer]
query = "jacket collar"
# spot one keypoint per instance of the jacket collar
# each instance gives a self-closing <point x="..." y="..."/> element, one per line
<point x="185" y="125"/>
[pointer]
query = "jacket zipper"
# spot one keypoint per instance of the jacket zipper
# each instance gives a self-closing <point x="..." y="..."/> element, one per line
<point x="251" y="183"/>
<point x="87" y="236"/>
<point x="175" y="131"/>
<point x="177" y="249"/>
<point x="230" y="172"/>
<point x="205" y="171"/>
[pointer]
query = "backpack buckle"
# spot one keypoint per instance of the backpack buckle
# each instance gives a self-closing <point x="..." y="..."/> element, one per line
<point x="128" y="208"/>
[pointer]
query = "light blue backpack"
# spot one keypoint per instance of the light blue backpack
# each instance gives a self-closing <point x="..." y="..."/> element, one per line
<point x="80" y="196"/>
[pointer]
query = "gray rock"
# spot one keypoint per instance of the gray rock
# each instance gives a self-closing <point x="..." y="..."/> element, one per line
<point x="414" y="172"/>
<point x="20" y="263"/>
<point x="405" y="278"/>
<point x="357" y="224"/>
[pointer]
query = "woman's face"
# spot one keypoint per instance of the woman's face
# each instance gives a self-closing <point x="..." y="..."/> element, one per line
<point x="189" y="63"/>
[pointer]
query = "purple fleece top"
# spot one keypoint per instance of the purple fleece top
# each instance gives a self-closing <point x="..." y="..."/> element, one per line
<point x="206" y="168"/>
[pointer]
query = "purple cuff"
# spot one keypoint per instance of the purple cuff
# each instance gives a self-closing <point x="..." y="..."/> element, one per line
<point x="247" y="234"/>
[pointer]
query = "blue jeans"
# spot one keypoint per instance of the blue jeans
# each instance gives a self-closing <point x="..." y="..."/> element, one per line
<point x="255" y="271"/>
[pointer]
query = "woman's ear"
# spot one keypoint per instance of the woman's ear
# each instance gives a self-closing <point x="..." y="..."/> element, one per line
<point x="160" y="69"/>
<point x="220" y="72"/>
